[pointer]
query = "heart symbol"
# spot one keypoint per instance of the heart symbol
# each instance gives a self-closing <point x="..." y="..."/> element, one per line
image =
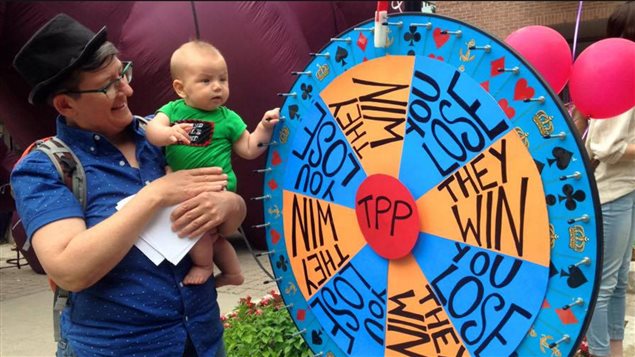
<point x="485" y="85"/>
<point x="436" y="57"/>
<point x="509" y="111"/>
<point x="275" y="158"/>
<point x="273" y="185"/>
<point x="301" y="314"/>
<point x="545" y="304"/>
<point x="439" y="38"/>
<point x="522" y="90"/>
<point x="275" y="236"/>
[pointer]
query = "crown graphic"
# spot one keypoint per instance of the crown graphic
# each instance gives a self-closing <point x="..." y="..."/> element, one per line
<point x="577" y="238"/>
<point x="323" y="71"/>
<point x="544" y="123"/>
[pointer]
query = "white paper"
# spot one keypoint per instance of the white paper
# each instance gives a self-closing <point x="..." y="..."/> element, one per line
<point x="149" y="252"/>
<point x="158" y="237"/>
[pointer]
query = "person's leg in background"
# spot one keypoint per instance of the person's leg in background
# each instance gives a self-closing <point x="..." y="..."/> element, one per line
<point x="610" y="305"/>
<point x="617" y="304"/>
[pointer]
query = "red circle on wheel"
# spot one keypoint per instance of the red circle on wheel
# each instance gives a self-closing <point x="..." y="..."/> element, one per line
<point x="387" y="216"/>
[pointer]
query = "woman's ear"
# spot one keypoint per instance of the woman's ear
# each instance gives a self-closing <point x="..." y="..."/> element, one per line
<point x="64" y="105"/>
<point x="177" y="84"/>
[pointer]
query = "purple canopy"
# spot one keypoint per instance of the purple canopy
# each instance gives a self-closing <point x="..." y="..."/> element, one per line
<point x="263" y="42"/>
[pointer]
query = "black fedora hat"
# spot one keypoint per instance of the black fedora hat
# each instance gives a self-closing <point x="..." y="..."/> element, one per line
<point x="53" y="52"/>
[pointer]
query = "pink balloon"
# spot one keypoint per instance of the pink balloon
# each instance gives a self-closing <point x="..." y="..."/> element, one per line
<point x="602" y="81"/>
<point x="546" y="50"/>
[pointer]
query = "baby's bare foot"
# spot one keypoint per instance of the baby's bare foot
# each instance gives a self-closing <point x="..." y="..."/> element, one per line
<point x="223" y="279"/>
<point x="198" y="275"/>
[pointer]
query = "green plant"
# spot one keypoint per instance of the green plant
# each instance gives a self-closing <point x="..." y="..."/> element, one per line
<point x="262" y="328"/>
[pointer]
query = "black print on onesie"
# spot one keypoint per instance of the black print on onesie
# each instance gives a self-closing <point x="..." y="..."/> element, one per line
<point x="201" y="133"/>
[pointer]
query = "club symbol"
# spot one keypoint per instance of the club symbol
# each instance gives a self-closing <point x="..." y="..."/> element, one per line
<point x="551" y="199"/>
<point x="412" y="35"/>
<point x="571" y="196"/>
<point x="281" y="263"/>
<point x="306" y="90"/>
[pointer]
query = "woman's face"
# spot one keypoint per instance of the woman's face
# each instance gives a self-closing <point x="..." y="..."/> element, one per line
<point x="107" y="114"/>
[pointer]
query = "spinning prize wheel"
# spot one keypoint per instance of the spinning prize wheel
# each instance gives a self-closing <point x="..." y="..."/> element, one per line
<point x="430" y="199"/>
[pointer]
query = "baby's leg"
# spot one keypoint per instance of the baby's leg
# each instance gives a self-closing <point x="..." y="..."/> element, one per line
<point x="203" y="267"/>
<point x="227" y="261"/>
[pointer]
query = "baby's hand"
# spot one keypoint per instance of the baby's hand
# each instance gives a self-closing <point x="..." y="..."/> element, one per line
<point x="179" y="133"/>
<point x="271" y="118"/>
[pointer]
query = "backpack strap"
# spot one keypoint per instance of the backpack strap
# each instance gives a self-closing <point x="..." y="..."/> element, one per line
<point x="143" y="121"/>
<point x="67" y="165"/>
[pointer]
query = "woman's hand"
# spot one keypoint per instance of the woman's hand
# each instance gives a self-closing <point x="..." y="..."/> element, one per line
<point x="221" y="212"/>
<point x="176" y="187"/>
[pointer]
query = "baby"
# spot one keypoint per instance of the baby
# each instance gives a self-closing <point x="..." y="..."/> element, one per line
<point x="198" y="131"/>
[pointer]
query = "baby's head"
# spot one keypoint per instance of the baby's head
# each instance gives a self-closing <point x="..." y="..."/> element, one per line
<point x="199" y="75"/>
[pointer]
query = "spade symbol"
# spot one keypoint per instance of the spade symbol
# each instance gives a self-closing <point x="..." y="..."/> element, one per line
<point x="562" y="157"/>
<point x="341" y="55"/>
<point x="316" y="337"/>
<point x="575" y="276"/>
<point x="293" y="111"/>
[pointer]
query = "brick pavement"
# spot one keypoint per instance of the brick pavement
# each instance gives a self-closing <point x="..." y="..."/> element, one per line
<point x="25" y="303"/>
<point x="15" y="282"/>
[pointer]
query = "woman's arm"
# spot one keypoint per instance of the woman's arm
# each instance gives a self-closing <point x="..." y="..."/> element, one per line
<point x="76" y="257"/>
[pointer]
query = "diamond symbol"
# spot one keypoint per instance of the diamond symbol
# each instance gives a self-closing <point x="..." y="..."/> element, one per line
<point x="362" y="41"/>
<point x="273" y="185"/>
<point x="495" y="65"/>
<point x="566" y="316"/>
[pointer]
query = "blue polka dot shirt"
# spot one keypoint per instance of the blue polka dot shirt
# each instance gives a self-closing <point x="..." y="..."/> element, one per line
<point x="138" y="308"/>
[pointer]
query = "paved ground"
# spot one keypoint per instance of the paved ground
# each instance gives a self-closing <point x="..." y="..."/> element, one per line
<point x="25" y="304"/>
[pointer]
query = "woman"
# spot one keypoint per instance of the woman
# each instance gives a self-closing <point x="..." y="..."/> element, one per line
<point x="121" y="303"/>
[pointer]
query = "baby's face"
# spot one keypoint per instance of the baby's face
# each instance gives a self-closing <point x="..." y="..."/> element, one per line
<point x="206" y="82"/>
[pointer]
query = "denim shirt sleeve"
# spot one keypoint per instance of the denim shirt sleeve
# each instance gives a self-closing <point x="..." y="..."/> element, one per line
<point x="41" y="197"/>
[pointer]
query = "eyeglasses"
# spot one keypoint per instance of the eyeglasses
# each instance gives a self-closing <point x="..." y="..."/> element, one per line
<point x="110" y="89"/>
